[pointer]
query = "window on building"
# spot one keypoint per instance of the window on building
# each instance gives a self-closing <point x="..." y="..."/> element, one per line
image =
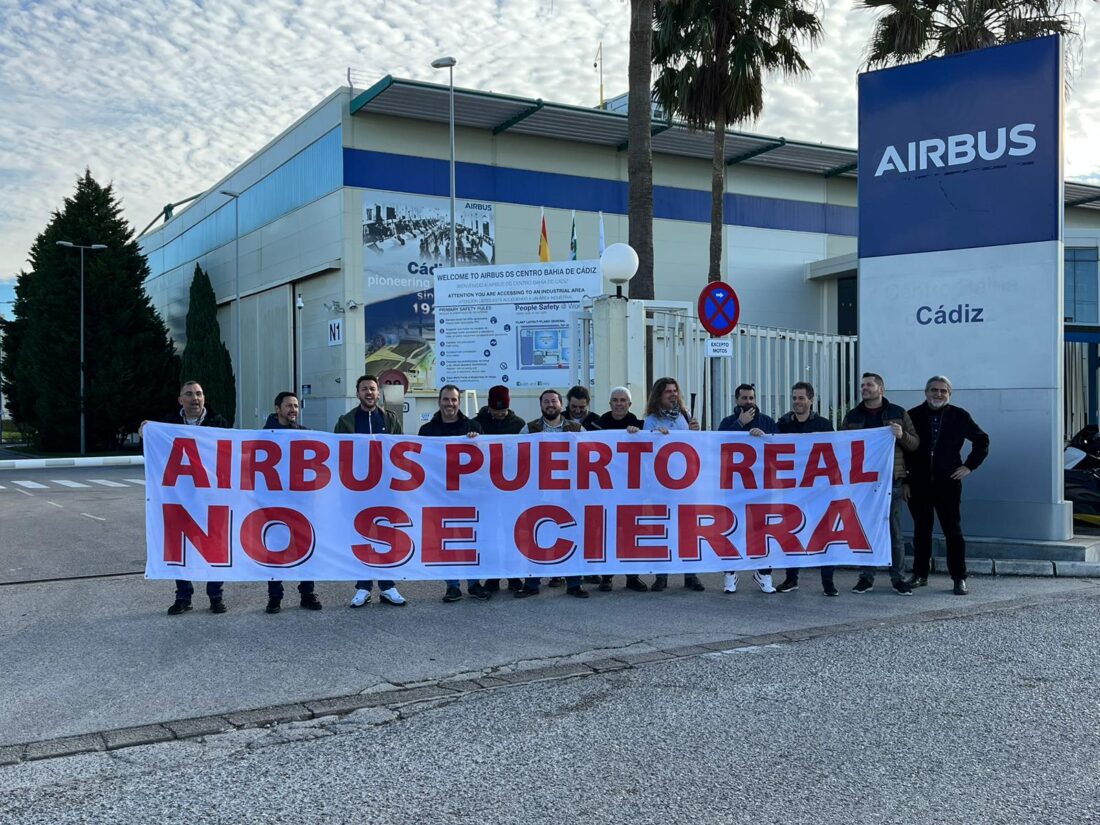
<point x="1082" y="281"/>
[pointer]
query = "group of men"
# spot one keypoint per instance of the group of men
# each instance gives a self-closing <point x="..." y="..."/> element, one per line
<point x="928" y="469"/>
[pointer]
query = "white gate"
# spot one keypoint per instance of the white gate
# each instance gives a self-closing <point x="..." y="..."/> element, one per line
<point x="774" y="359"/>
<point x="770" y="359"/>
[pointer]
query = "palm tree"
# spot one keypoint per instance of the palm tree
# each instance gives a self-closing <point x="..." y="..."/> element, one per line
<point x="711" y="58"/>
<point x="639" y="147"/>
<point x="910" y="30"/>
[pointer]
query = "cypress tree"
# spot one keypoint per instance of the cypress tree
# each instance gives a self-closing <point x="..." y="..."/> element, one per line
<point x="205" y="357"/>
<point x="130" y="362"/>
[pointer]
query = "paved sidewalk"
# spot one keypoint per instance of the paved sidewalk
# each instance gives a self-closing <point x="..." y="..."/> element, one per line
<point x="101" y="655"/>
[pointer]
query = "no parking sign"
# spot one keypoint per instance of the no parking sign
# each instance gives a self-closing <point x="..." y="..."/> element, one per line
<point x="719" y="308"/>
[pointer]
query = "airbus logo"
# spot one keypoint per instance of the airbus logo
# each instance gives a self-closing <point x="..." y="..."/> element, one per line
<point x="959" y="150"/>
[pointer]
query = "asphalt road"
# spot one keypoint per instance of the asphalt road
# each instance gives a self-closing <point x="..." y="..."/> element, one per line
<point x="985" y="719"/>
<point x="68" y="522"/>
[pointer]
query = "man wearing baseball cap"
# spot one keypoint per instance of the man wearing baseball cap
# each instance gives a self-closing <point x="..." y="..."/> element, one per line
<point x="497" y="418"/>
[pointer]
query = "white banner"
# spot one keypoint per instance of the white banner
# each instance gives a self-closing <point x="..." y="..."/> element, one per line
<point x="509" y="324"/>
<point x="239" y="505"/>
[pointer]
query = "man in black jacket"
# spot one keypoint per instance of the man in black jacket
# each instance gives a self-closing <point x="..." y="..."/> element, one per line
<point x="578" y="399"/>
<point x="875" y="410"/>
<point x="936" y="471"/>
<point x="194" y="412"/>
<point x="803" y="419"/>
<point x="285" y="417"/>
<point x="450" y="421"/>
<point x="497" y="418"/>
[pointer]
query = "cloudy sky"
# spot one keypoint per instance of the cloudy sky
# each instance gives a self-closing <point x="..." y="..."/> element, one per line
<point x="163" y="98"/>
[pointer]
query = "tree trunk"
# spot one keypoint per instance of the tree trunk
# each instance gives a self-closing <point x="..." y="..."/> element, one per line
<point x="639" y="148"/>
<point x="717" y="196"/>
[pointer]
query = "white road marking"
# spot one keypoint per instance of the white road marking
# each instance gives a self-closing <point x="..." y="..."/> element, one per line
<point x="55" y="504"/>
<point x="105" y="483"/>
<point x="65" y="482"/>
<point x="24" y="492"/>
<point x="31" y="485"/>
<point x="140" y="481"/>
<point x="97" y="518"/>
<point x="2" y="487"/>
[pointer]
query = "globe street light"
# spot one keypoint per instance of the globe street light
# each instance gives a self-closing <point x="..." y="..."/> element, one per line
<point x="448" y="63"/>
<point x="95" y="247"/>
<point x="236" y="196"/>
<point x="618" y="264"/>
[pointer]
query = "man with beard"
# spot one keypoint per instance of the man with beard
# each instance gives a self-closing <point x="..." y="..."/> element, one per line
<point x="285" y="417"/>
<point x="619" y="417"/>
<point x="936" y="473"/>
<point x="747" y="418"/>
<point x="552" y="421"/>
<point x="876" y="411"/>
<point x="368" y="418"/>
<point x="803" y="419"/>
<point x="451" y="422"/>
<point x="497" y="418"/>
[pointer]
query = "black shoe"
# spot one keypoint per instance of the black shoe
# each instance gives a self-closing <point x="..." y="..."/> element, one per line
<point x="605" y="584"/>
<point x="524" y="592"/>
<point x="492" y="585"/>
<point x="903" y="588"/>
<point x="591" y="579"/>
<point x="787" y="585"/>
<point x="693" y="583"/>
<point x="830" y="589"/>
<point x="310" y="602"/>
<point x="557" y="581"/>
<point x="634" y="583"/>
<point x="659" y="583"/>
<point x="453" y="594"/>
<point x="863" y="586"/>
<point x="576" y="592"/>
<point x="217" y="605"/>
<point x="917" y="581"/>
<point x="515" y="584"/>
<point x="478" y="592"/>
<point x="960" y="587"/>
<point x="273" y="605"/>
<point x="179" y="606"/>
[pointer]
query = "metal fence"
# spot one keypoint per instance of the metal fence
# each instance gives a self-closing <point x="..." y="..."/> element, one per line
<point x="770" y="359"/>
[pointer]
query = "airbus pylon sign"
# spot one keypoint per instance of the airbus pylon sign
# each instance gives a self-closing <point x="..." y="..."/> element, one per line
<point x="962" y="151"/>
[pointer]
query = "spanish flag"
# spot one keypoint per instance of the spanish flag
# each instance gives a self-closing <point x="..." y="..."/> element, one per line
<point x="544" y="239"/>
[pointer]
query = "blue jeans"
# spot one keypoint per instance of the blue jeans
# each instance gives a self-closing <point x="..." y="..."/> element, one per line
<point x="897" y="547"/>
<point x="366" y="585"/>
<point x="184" y="590"/>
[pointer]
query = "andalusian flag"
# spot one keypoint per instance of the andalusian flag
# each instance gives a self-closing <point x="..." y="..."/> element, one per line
<point x="603" y="243"/>
<point x="544" y="239"/>
<point x="573" y="238"/>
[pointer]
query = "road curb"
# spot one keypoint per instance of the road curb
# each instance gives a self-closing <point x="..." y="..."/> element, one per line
<point x="46" y="463"/>
<point x="458" y="686"/>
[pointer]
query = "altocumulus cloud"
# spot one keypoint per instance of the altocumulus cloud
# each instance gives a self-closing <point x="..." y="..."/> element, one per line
<point x="162" y="99"/>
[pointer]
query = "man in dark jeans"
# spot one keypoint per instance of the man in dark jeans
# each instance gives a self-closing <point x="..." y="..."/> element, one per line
<point x="193" y="412"/>
<point x="876" y="411"/>
<point x="936" y="473"/>
<point x="285" y="417"/>
<point x="803" y="419"/>
<point x="371" y="419"/>
<point x="451" y="422"/>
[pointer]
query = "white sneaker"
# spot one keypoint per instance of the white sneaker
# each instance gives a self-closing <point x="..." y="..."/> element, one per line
<point x="764" y="581"/>
<point x="360" y="598"/>
<point x="730" y="583"/>
<point x="391" y="596"/>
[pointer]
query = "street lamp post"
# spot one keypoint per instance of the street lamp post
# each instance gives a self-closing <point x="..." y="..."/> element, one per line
<point x="448" y="63"/>
<point x="95" y="247"/>
<point x="236" y="196"/>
